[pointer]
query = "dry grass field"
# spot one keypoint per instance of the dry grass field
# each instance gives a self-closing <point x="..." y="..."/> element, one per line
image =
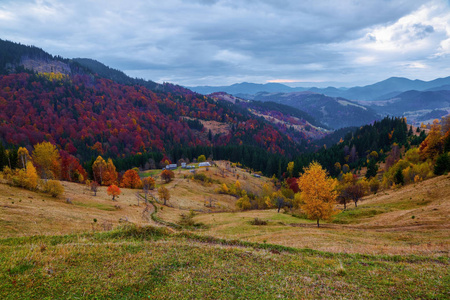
<point x="25" y="213"/>
<point x="411" y="220"/>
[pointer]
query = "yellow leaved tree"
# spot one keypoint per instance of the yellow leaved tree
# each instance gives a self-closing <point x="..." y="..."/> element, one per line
<point x="24" y="157"/>
<point x="47" y="160"/>
<point x="433" y="145"/>
<point x="99" y="168"/>
<point x="317" y="193"/>
<point x="32" y="177"/>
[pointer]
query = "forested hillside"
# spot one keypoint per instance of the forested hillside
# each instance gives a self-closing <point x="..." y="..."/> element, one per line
<point x="88" y="109"/>
<point x="95" y="110"/>
<point x="85" y="115"/>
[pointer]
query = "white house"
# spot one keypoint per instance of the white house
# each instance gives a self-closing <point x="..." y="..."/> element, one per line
<point x="171" y="167"/>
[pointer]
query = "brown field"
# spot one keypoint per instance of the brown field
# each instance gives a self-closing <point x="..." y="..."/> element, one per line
<point x="24" y="213"/>
<point x="411" y="220"/>
<point x="214" y="126"/>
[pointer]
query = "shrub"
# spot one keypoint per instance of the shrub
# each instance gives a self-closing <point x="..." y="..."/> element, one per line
<point x="53" y="187"/>
<point x="202" y="177"/>
<point x="187" y="220"/>
<point x="148" y="183"/>
<point x="258" y="221"/>
<point x="243" y="203"/>
<point x="374" y="185"/>
<point x="167" y="176"/>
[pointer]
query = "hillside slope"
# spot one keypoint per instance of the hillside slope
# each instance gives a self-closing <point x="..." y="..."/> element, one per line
<point x="297" y="124"/>
<point x="280" y="259"/>
<point x="410" y="220"/>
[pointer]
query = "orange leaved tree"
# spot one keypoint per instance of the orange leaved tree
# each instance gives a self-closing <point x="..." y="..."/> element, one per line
<point x="433" y="144"/>
<point x="113" y="190"/>
<point x="110" y="173"/>
<point x="131" y="180"/>
<point x="167" y="175"/>
<point x="317" y="193"/>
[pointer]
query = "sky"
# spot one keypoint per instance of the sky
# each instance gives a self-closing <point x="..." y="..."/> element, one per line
<point x="221" y="42"/>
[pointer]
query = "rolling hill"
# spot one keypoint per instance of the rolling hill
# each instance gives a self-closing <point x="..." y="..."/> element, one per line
<point x="297" y="124"/>
<point x="392" y="245"/>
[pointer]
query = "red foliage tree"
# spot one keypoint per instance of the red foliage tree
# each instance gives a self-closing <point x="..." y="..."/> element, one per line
<point x="71" y="169"/>
<point x="113" y="190"/>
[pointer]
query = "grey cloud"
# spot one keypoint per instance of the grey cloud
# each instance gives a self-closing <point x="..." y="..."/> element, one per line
<point x="190" y="41"/>
<point x="421" y="31"/>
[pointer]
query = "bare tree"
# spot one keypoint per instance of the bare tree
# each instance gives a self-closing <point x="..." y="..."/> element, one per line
<point x="138" y="197"/>
<point x="94" y="187"/>
<point x="209" y="202"/>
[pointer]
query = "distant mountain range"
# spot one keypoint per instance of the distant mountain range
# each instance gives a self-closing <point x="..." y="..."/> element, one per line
<point x="334" y="112"/>
<point x="245" y="88"/>
<point x="416" y="106"/>
<point x="382" y="90"/>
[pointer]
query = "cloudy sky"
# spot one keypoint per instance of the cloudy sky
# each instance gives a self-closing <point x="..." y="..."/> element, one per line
<point x="220" y="42"/>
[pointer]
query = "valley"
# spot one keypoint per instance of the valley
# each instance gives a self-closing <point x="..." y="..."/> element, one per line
<point x="113" y="187"/>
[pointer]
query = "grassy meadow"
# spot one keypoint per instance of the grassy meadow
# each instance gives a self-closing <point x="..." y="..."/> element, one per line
<point x="150" y="263"/>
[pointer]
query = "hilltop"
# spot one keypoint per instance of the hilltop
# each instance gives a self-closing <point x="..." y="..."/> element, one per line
<point x="418" y="100"/>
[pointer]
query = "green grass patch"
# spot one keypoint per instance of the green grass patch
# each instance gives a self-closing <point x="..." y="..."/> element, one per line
<point x="152" y="173"/>
<point x="20" y="268"/>
<point x="357" y="214"/>
<point x="100" y="206"/>
<point x="407" y="204"/>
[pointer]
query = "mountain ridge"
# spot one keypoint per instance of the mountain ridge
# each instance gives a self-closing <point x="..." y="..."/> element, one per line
<point x="371" y="92"/>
